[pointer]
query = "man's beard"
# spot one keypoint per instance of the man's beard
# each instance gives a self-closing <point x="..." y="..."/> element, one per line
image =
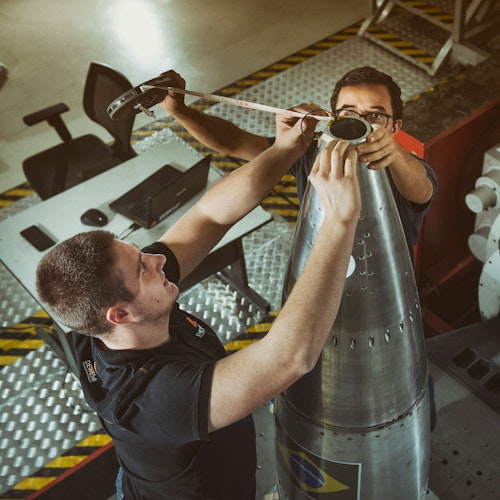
<point x="155" y="317"/>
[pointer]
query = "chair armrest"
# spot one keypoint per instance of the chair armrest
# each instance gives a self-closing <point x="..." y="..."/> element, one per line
<point x="52" y="115"/>
<point x="45" y="114"/>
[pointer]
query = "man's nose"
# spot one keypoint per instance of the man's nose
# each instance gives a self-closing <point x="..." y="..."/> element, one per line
<point x="159" y="261"/>
<point x="156" y="261"/>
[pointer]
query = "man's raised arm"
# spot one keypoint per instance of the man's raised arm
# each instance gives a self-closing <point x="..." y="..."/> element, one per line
<point x="248" y="378"/>
<point x="193" y="236"/>
<point x="219" y="134"/>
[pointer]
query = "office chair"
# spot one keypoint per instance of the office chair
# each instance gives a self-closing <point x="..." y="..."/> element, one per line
<point x="77" y="159"/>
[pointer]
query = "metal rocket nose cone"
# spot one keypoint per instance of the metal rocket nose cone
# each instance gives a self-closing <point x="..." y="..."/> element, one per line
<point x="363" y="378"/>
<point x="368" y="396"/>
<point x="350" y="128"/>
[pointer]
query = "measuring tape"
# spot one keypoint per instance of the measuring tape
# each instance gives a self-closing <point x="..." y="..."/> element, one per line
<point x="239" y="102"/>
<point x="148" y="94"/>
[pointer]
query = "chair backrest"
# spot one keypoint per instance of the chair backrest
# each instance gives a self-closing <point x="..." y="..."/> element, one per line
<point x="103" y="86"/>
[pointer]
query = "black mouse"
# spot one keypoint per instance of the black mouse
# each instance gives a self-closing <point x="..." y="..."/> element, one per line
<point x="94" y="217"/>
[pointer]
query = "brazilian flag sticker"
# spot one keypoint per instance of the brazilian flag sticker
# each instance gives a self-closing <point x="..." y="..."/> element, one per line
<point x="318" y="477"/>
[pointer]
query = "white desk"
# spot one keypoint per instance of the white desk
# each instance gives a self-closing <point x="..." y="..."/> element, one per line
<point x="59" y="216"/>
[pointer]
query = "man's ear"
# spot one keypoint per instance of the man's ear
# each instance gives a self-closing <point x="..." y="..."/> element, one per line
<point x="396" y="127"/>
<point x="118" y="316"/>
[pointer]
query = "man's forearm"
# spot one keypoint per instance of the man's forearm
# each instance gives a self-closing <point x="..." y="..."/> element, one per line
<point x="311" y="308"/>
<point x="241" y="191"/>
<point x="410" y="178"/>
<point x="220" y="135"/>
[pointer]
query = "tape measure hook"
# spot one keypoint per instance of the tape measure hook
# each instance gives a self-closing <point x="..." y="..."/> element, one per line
<point x="139" y="99"/>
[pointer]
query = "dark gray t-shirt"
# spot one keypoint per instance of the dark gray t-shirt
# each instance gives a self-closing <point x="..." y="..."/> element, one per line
<point x="154" y="404"/>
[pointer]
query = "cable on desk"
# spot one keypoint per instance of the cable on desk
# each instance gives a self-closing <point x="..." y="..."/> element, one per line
<point x="128" y="231"/>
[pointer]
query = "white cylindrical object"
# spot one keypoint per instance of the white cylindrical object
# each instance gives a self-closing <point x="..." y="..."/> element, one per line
<point x="480" y="199"/>
<point x="477" y="242"/>
<point x="484" y="241"/>
<point x="487" y="191"/>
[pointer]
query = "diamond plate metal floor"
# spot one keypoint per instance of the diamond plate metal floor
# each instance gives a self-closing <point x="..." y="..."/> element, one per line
<point x="42" y="412"/>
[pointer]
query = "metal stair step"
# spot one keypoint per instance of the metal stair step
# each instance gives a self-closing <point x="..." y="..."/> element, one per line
<point x="429" y="12"/>
<point x="419" y="31"/>
<point x="401" y="47"/>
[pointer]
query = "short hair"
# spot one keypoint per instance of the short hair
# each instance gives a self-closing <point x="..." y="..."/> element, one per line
<point x="77" y="281"/>
<point x="370" y="76"/>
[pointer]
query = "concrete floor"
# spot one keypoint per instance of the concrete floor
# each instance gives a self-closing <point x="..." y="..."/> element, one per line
<point x="47" y="47"/>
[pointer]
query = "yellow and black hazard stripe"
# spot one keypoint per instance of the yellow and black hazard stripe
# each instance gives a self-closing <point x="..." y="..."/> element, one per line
<point x="437" y="86"/>
<point x="18" y="340"/>
<point x="404" y="48"/>
<point x="15" y="194"/>
<point x="252" y="334"/>
<point x="430" y="12"/>
<point x="60" y="468"/>
<point x="284" y="199"/>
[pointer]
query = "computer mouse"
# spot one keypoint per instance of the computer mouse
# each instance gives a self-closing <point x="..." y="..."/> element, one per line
<point x="94" y="217"/>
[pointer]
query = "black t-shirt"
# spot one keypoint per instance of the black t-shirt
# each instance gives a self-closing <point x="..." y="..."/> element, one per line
<point x="411" y="214"/>
<point x="154" y="404"/>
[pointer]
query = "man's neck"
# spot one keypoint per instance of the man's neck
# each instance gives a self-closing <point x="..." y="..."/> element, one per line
<point x="138" y="337"/>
